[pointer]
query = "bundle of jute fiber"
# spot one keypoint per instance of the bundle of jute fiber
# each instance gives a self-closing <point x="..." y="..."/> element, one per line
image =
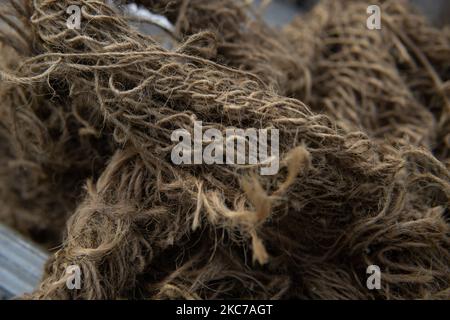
<point x="407" y="53"/>
<point x="422" y="55"/>
<point x="48" y="149"/>
<point x="356" y="80"/>
<point x="69" y="189"/>
<point x="244" y="41"/>
<point x="148" y="228"/>
<point x="305" y="33"/>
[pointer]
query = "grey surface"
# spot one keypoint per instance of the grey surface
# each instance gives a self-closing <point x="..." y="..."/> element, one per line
<point x="280" y="12"/>
<point x="437" y="11"/>
<point x="21" y="264"/>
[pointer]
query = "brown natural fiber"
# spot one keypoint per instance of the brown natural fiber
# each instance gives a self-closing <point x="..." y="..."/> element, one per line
<point x="422" y="55"/>
<point x="244" y="41"/>
<point x="358" y="186"/>
<point x="388" y="83"/>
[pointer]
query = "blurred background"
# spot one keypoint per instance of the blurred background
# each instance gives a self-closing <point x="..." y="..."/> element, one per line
<point x="281" y="11"/>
